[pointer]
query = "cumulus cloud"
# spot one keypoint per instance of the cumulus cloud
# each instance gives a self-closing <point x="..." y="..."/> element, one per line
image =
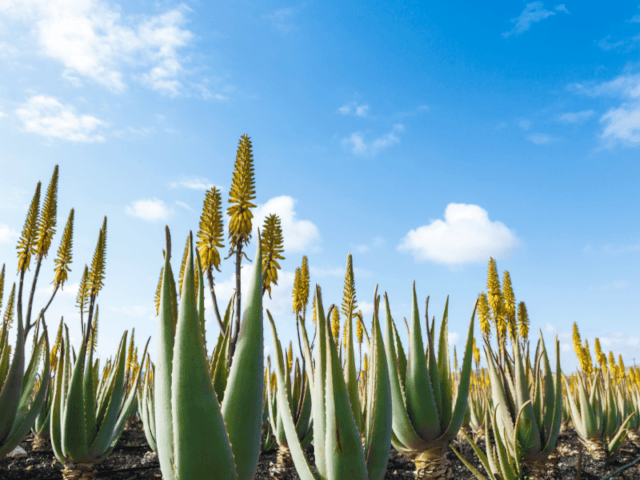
<point x="193" y="183"/>
<point x="48" y="117"/>
<point x="150" y="210"/>
<point x="7" y="234"/>
<point x="93" y="40"/>
<point x="352" y="108"/>
<point x="465" y="235"/>
<point x="576" y="117"/>
<point x="359" y="146"/>
<point x="533" y="12"/>
<point x="299" y="235"/>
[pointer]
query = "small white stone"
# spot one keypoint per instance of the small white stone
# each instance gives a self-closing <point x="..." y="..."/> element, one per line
<point x="18" y="452"/>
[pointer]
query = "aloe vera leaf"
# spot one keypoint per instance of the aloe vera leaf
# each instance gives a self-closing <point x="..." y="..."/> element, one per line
<point x="444" y="372"/>
<point x="146" y="413"/>
<point x="556" y="423"/>
<point x="351" y="378"/>
<point x="319" y="386"/>
<point x="528" y="432"/>
<point x="589" y="415"/>
<point x="74" y="434"/>
<point x="471" y="468"/>
<point x="432" y="364"/>
<point x="114" y="401"/>
<point x="379" y="422"/>
<point x="421" y="405"/>
<point x="300" y="461"/>
<point x="481" y="456"/>
<point x="162" y="378"/>
<point x="56" y="408"/>
<point x="460" y="407"/>
<point x="12" y="387"/>
<point x="503" y="456"/>
<point x="616" y="442"/>
<point x="243" y="397"/>
<point x="4" y="364"/>
<point x="402" y="426"/>
<point x="198" y="426"/>
<point x="200" y="300"/>
<point x="221" y="367"/>
<point x="401" y="357"/>
<point x="89" y="398"/>
<point x="28" y="381"/>
<point x="345" y="458"/>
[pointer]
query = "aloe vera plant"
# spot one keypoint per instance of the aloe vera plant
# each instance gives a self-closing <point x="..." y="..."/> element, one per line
<point x="526" y="415"/>
<point x="340" y="452"/>
<point x="425" y="417"/>
<point x="195" y="436"/>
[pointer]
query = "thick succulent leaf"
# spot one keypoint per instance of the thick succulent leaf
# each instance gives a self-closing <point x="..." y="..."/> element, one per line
<point x="379" y="407"/>
<point x="460" y="408"/>
<point x="198" y="427"/>
<point x="616" y="441"/>
<point x="297" y="454"/>
<point x="480" y="454"/>
<point x="345" y="458"/>
<point x="576" y="413"/>
<point x="503" y="417"/>
<point x="443" y="369"/>
<point x="164" y="366"/>
<point x="421" y="404"/>
<point x="528" y="431"/>
<point x="351" y="378"/>
<point x="470" y="467"/>
<point x="221" y="367"/>
<point x="55" y="434"/>
<point x="114" y="395"/>
<point x="432" y="363"/>
<point x="147" y="413"/>
<point x="74" y="434"/>
<point x="89" y="398"/>
<point x="12" y="387"/>
<point x="403" y="429"/>
<point x="243" y="398"/>
<point x="556" y="422"/>
<point x="319" y="387"/>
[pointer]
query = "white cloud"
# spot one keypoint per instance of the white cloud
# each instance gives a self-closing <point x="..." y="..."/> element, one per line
<point x="2" y="114"/>
<point x="541" y="138"/>
<point x="46" y="116"/>
<point x="576" y="117"/>
<point x="150" y="210"/>
<point x="282" y="19"/>
<point x="7" y="234"/>
<point x="184" y="205"/>
<point x="326" y="272"/>
<point x="606" y="45"/>
<point x="364" y="248"/>
<point x="70" y="290"/>
<point x="617" y="340"/>
<point x="193" y="183"/>
<point x="616" y="285"/>
<point x="93" y="40"/>
<point x="466" y="235"/>
<point x="454" y="339"/>
<point x="358" y="146"/>
<point x="352" y="108"/>
<point x="533" y="12"/>
<point x="299" y="235"/>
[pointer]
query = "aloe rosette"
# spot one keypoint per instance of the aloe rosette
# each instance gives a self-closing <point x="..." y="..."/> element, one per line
<point x="340" y="452"/>
<point x="196" y="437"/>
<point x="88" y="413"/>
<point x="525" y="416"/>
<point x="147" y="407"/>
<point x="426" y="414"/>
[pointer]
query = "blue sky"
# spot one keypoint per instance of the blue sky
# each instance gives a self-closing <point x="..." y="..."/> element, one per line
<point x="421" y="137"/>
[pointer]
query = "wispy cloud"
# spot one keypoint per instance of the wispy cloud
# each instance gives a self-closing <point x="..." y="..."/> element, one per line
<point x="576" y="117"/>
<point x="193" y="183"/>
<point x="352" y="108"/>
<point x="615" y="285"/>
<point x="607" y="45"/>
<point x="150" y="210"/>
<point x="282" y="19"/>
<point x="359" y="146"/>
<point x="525" y="124"/>
<point x="533" y="12"/>
<point x="299" y="235"/>
<point x="184" y="205"/>
<point x="7" y="234"/>
<point x="541" y="138"/>
<point x="465" y="235"/>
<point x="93" y="40"/>
<point x="364" y="248"/>
<point x="48" y="117"/>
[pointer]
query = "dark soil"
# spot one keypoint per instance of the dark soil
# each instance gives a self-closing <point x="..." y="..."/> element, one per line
<point x="128" y="462"/>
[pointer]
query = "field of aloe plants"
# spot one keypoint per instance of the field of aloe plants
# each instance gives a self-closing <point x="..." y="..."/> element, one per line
<point x="350" y="400"/>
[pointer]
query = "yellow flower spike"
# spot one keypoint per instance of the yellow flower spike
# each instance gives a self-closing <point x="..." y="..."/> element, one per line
<point x="96" y="273"/>
<point x="623" y="370"/>
<point x="523" y="321"/>
<point x="315" y="300"/>
<point x="476" y="354"/>
<point x="297" y="290"/>
<point x="577" y="346"/>
<point x="587" y="357"/>
<point x="612" y="364"/>
<point x="496" y="301"/>
<point x="130" y="350"/>
<point x="304" y="284"/>
<point x="182" y="267"/>
<point x="94" y="330"/>
<point x="290" y="356"/>
<point x="27" y="243"/>
<point x="48" y="218"/>
<point x="83" y="291"/>
<point x="484" y="315"/>
<point x="211" y="230"/>
<point x="64" y="257"/>
<point x="158" y="292"/>
<point x="509" y="304"/>
<point x="600" y="356"/>
<point x="241" y="195"/>
<point x="349" y="303"/>
<point x="10" y="311"/>
<point x="272" y="249"/>
<point x="360" y="328"/>
<point x="365" y="363"/>
<point x="56" y="346"/>
<point x="335" y="325"/>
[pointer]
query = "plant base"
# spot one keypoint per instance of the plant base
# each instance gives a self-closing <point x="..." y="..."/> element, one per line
<point x="79" y="471"/>
<point x="596" y="449"/>
<point x="433" y="464"/>
<point x="40" y="443"/>
<point x="283" y="464"/>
